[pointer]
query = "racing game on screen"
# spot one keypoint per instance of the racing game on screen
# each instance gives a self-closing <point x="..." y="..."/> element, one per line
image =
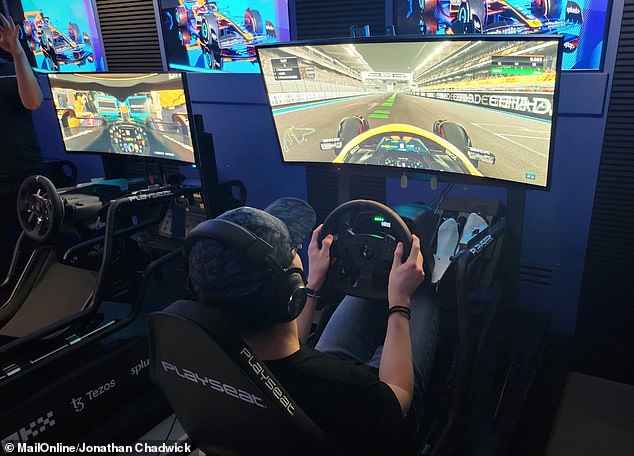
<point x="482" y="108"/>
<point x="582" y="23"/>
<point x="214" y="36"/>
<point x="131" y="114"/>
<point x="63" y="35"/>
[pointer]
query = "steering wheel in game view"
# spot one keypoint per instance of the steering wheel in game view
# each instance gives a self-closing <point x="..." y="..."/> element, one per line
<point x="365" y="236"/>
<point x="40" y="208"/>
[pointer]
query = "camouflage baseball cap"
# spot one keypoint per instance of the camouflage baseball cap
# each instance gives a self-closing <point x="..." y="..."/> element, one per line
<point x="298" y="216"/>
<point x="219" y="272"/>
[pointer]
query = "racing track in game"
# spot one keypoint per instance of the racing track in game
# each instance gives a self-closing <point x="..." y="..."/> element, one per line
<point x="520" y="143"/>
<point x="478" y="107"/>
<point x="142" y="114"/>
<point x="172" y="145"/>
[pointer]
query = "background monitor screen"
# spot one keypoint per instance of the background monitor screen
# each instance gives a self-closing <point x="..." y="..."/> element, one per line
<point x="220" y="35"/>
<point x="471" y="107"/>
<point x="582" y="23"/>
<point x="63" y="35"/>
<point x="139" y="114"/>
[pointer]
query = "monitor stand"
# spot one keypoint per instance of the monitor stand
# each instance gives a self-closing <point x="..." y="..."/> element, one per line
<point x="515" y="202"/>
<point x="148" y="169"/>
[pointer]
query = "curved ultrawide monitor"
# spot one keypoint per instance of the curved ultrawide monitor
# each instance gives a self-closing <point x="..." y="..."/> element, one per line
<point x="483" y="108"/>
<point x="137" y="114"/>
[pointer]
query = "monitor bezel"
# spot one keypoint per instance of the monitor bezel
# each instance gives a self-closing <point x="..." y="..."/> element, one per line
<point x="188" y="105"/>
<point x="604" y="43"/>
<point x="445" y="176"/>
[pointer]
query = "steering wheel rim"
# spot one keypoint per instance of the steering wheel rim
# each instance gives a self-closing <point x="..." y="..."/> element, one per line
<point x="361" y="262"/>
<point x="40" y="208"/>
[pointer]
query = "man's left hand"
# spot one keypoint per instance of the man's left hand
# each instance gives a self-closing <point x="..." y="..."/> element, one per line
<point x="318" y="259"/>
<point x="9" y="33"/>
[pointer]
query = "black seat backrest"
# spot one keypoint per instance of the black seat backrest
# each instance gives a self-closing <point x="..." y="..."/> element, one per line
<point x="63" y="173"/>
<point x="225" y="398"/>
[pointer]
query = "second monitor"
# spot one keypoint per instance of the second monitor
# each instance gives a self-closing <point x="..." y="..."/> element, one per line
<point x="139" y="114"/>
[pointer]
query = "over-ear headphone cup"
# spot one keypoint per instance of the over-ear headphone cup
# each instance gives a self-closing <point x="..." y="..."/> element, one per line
<point x="296" y="293"/>
<point x="283" y="297"/>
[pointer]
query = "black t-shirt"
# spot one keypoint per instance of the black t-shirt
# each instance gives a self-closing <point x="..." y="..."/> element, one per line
<point x="20" y="153"/>
<point x="345" y="399"/>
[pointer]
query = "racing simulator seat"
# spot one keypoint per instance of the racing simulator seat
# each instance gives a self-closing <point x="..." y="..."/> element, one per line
<point x="66" y="289"/>
<point x="225" y="398"/>
<point x="79" y="294"/>
<point x="63" y="173"/>
<point x="215" y="384"/>
<point x="80" y="246"/>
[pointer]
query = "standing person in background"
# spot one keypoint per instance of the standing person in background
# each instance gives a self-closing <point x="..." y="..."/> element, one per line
<point x="20" y="154"/>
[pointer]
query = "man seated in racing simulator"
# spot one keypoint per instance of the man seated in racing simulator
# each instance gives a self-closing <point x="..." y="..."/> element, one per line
<point x="364" y="382"/>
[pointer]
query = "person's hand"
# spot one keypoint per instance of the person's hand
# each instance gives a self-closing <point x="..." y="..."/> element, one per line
<point x="318" y="259"/>
<point x="9" y="36"/>
<point x="406" y="277"/>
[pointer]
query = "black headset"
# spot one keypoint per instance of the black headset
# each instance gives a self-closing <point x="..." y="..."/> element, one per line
<point x="282" y="296"/>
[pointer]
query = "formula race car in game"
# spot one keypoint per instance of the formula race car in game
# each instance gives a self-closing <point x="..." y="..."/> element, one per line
<point x="58" y="48"/>
<point x="107" y="106"/>
<point x="473" y="15"/>
<point x="179" y="124"/>
<point x="219" y="36"/>
<point x="506" y="17"/>
<point x="128" y="126"/>
<point x="447" y="148"/>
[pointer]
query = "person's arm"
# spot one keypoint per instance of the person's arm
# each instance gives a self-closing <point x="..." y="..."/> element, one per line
<point x="318" y="264"/>
<point x="28" y="87"/>
<point x="396" y="366"/>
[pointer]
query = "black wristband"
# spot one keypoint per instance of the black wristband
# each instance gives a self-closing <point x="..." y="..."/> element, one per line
<point x="399" y="309"/>
<point x="310" y="293"/>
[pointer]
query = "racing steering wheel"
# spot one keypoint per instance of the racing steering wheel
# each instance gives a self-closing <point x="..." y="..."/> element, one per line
<point x="40" y="208"/>
<point x="362" y="256"/>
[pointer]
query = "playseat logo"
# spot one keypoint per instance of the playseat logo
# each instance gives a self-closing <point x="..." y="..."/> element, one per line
<point x="149" y="196"/>
<point x="481" y="245"/>
<point x="268" y="381"/>
<point x="214" y="384"/>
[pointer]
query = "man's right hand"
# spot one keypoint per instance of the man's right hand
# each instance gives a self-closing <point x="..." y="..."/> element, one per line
<point x="406" y="277"/>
